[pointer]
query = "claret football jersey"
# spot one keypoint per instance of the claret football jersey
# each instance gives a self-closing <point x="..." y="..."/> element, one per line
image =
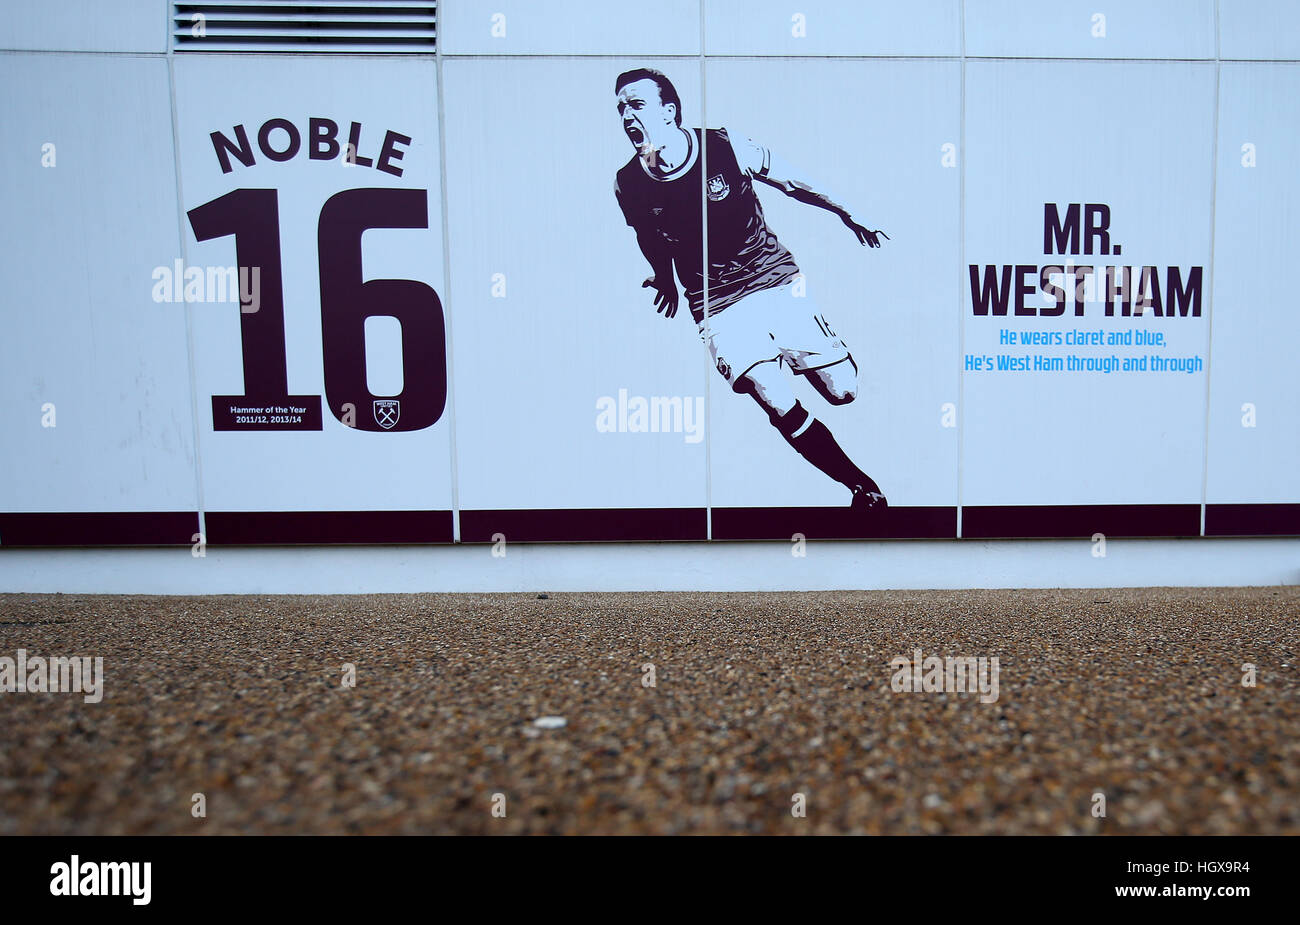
<point x="744" y="255"/>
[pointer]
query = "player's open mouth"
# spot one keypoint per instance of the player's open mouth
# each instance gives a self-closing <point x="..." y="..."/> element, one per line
<point x="634" y="133"/>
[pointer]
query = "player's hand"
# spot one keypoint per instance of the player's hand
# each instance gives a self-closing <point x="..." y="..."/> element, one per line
<point x="866" y="236"/>
<point x="665" y="296"/>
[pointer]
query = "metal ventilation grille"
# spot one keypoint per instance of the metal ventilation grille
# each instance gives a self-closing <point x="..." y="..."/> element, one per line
<point x="393" y="26"/>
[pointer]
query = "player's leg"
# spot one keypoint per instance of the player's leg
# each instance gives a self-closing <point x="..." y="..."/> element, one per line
<point x="813" y="349"/>
<point x="768" y="386"/>
<point x="745" y="350"/>
<point x="811" y="439"/>
<point x="838" y="382"/>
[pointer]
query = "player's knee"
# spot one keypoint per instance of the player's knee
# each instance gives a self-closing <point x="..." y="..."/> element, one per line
<point x="780" y="409"/>
<point x="768" y="389"/>
<point x="841" y="382"/>
<point x="775" y="404"/>
<point x="842" y="394"/>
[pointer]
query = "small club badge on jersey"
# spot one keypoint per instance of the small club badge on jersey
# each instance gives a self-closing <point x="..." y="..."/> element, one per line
<point x="387" y="412"/>
<point x="718" y="188"/>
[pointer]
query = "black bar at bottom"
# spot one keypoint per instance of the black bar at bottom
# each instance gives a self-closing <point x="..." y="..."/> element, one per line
<point x="270" y="874"/>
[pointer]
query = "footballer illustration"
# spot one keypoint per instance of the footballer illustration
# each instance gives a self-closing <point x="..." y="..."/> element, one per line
<point x="742" y="305"/>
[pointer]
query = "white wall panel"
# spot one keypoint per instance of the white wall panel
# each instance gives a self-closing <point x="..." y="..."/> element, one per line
<point x="1254" y="390"/>
<point x="1087" y="29"/>
<point x="1259" y="29"/>
<point x="336" y="467"/>
<point x="82" y="331"/>
<point x="828" y="27"/>
<point x="534" y="220"/>
<point x="575" y="27"/>
<point x="871" y="135"/>
<point x="85" y="25"/>
<point x="1080" y="437"/>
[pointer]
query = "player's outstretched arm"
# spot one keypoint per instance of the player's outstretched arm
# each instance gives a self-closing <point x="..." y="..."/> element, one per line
<point x="661" y="263"/>
<point x="763" y="165"/>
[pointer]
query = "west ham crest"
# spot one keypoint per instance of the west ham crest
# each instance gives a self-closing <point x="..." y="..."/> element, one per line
<point x="718" y="188"/>
<point x="387" y="411"/>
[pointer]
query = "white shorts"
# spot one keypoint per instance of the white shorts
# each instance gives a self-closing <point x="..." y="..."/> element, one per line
<point x="771" y="324"/>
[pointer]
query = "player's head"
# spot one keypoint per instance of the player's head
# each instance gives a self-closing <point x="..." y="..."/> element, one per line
<point x="649" y="105"/>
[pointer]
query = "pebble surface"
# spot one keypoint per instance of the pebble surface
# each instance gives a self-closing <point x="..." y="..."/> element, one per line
<point x="760" y="703"/>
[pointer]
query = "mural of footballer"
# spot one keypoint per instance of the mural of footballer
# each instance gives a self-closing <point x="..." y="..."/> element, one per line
<point x="754" y="325"/>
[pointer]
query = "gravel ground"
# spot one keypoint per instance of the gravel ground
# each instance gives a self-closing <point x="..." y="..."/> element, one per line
<point x="1134" y="694"/>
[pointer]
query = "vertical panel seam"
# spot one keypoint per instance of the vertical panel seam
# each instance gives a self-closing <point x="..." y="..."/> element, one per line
<point x="704" y="243"/>
<point x="1209" y="289"/>
<point x="443" y="208"/>
<point x="186" y="307"/>
<point x="961" y="264"/>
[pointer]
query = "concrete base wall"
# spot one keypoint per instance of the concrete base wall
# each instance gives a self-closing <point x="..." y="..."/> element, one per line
<point x="655" y="567"/>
